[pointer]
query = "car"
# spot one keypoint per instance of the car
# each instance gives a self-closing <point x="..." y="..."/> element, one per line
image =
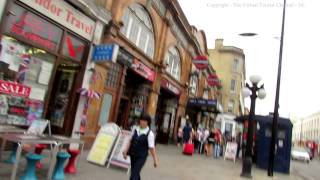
<point x="300" y="154"/>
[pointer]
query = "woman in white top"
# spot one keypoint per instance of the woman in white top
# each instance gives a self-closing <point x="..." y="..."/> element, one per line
<point x="142" y="141"/>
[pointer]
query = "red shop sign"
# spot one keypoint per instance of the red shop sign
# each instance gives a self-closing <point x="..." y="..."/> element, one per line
<point x="143" y="70"/>
<point x="169" y="86"/>
<point x="14" y="89"/>
<point x="201" y="62"/>
<point x="23" y="23"/>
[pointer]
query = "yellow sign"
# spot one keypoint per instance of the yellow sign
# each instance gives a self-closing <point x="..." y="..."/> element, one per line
<point x="103" y="144"/>
<point x="101" y="149"/>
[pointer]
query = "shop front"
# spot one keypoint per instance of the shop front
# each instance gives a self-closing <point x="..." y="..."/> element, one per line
<point x="134" y="99"/>
<point x="42" y="63"/>
<point x="201" y="112"/>
<point x="167" y="110"/>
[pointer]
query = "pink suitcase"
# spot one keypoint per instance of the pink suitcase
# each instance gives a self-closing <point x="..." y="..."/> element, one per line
<point x="188" y="148"/>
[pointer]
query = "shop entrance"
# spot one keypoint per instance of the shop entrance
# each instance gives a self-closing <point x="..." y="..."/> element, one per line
<point x="166" y="112"/>
<point x="133" y="100"/>
<point x="61" y="98"/>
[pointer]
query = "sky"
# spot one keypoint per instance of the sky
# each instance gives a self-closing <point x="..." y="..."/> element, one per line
<point x="300" y="85"/>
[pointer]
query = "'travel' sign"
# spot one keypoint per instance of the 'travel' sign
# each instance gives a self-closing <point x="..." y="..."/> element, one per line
<point x="14" y="89"/>
<point x="64" y="14"/>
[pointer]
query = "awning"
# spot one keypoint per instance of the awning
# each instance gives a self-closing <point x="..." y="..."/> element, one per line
<point x="205" y="105"/>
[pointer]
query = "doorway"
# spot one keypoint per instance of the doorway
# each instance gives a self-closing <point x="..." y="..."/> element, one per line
<point x="62" y="97"/>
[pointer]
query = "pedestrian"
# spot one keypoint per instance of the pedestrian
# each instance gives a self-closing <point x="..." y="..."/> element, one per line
<point x="197" y="140"/>
<point x="206" y="137"/>
<point x="211" y="142"/>
<point x="217" y="140"/>
<point x="238" y="140"/>
<point x="180" y="134"/>
<point x="142" y="141"/>
<point x="187" y="133"/>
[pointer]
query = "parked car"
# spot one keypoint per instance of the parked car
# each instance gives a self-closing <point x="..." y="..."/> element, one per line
<point x="300" y="154"/>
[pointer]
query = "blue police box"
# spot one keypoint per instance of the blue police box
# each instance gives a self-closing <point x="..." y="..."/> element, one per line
<point x="283" y="143"/>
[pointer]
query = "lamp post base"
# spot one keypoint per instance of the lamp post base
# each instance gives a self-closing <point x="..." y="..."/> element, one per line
<point x="246" y="167"/>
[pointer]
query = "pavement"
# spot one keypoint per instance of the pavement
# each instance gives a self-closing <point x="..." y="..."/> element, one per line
<point x="173" y="166"/>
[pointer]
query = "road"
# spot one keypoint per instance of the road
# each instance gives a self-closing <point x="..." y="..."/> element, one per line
<point x="305" y="171"/>
<point x="175" y="166"/>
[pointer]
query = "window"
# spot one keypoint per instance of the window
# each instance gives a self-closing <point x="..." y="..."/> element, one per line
<point x="205" y="94"/>
<point x="233" y="86"/>
<point x="193" y="84"/>
<point x="28" y="69"/>
<point x="235" y="65"/>
<point x="230" y="106"/>
<point x="113" y="75"/>
<point x="138" y="29"/>
<point x="173" y="65"/>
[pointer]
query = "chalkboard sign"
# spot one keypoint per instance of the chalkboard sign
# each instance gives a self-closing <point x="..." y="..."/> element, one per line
<point x="103" y="144"/>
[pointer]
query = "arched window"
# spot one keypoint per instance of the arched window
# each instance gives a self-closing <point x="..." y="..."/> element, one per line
<point x="193" y="84"/>
<point x="173" y="63"/>
<point x="138" y="29"/>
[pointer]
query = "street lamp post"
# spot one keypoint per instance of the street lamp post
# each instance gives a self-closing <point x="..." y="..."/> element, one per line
<point x="254" y="91"/>
<point x="276" y="104"/>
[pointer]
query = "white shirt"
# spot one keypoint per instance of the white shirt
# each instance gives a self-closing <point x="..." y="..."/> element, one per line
<point x="151" y="140"/>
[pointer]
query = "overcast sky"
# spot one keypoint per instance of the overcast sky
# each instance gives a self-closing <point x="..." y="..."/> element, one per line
<point x="300" y="84"/>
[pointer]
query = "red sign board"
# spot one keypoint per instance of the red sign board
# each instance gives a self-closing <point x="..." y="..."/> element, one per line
<point x="23" y="23"/>
<point x="73" y="47"/>
<point x="213" y="80"/>
<point x="143" y="70"/>
<point x="201" y="62"/>
<point x="169" y="86"/>
<point x="14" y="89"/>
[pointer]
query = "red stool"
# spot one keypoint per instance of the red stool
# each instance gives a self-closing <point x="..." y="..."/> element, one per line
<point x="38" y="150"/>
<point x="71" y="168"/>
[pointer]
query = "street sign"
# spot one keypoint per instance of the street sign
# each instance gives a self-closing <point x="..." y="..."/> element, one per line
<point x="231" y="151"/>
<point x="116" y="158"/>
<point x="201" y="62"/>
<point x="103" y="144"/>
<point x="105" y="52"/>
<point x="213" y="80"/>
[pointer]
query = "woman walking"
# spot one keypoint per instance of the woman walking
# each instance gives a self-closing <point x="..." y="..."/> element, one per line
<point x="142" y="141"/>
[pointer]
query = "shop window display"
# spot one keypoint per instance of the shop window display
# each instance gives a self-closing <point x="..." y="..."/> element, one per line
<point x="25" y="73"/>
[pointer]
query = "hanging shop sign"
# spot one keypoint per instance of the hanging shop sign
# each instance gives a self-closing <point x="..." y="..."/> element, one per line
<point x="24" y="24"/>
<point x="65" y="14"/>
<point x="143" y="70"/>
<point x="201" y="62"/>
<point x="202" y="102"/>
<point x="213" y="80"/>
<point x="169" y="86"/>
<point x="14" y="89"/>
<point x="105" y="52"/>
<point x="125" y="57"/>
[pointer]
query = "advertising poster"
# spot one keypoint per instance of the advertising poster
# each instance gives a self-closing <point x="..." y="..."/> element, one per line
<point x="102" y="146"/>
<point x="117" y="157"/>
<point x="231" y="151"/>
